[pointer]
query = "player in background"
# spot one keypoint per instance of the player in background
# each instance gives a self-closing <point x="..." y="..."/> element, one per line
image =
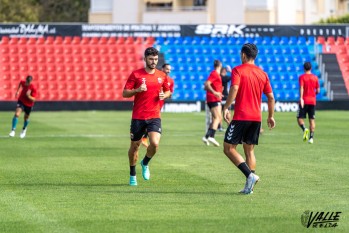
<point x="166" y="68"/>
<point x="214" y="88"/>
<point x="148" y="86"/>
<point x="25" y="103"/>
<point x="225" y="81"/>
<point x="308" y="88"/>
<point x="248" y="83"/>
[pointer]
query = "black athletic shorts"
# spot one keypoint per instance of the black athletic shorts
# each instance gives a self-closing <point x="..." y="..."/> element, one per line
<point x="240" y="132"/>
<point x="25" y="108"/>
<point x="308" y="109"/>
<point x="140" y="127"/>
<point x="213" y="104"/>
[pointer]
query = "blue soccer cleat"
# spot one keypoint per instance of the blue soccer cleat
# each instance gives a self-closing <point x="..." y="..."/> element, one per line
<point x="133" y="181"/>
<point x="145" y="171"/>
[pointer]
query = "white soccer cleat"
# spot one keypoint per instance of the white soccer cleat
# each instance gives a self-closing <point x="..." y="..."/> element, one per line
<point x="12" y="133"/>
<point x="251" y="181"/>
<point x="213" y="141"/>
<point x="311" y="141"/>
<point x="205" y="141"/>
<point x="22" y="135"/>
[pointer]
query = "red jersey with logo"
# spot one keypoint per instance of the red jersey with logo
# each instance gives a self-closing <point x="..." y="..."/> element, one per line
<point x="216" y="84"/>
<point x="23" y="95"/>
<point x="310" y="84"/>
<point x="171" y="86"/>
<point x="146" y="104"/>
<point x="252" y="82"/>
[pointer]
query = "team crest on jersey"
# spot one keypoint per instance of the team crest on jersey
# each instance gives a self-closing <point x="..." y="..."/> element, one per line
<point x="160" y="80"/>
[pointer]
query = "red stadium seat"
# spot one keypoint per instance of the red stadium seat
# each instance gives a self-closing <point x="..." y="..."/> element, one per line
<point x="40" y="41"/>
<point x="94" y="40"/>
<point x="31" y="41"/>
<point x="31" y="50"/>
<point x="23" y="59"/>
<point x="13" y="41"/>
<point x="5" y="59"/>
<point x="85" y="40"/>
<point x="42" y="68"/>
<point x="49" y="40"/>
<point x="4" y="49"/>
<point x="103" y="40"/>
<point x="58" y="40"/>
<point x="32" y="59"/>
<point x="68" y="59"/>
<point x="67" y="40"/>
<point x="5" y="40"/>
<point x="13" y="49"/>
<point x="112" y="40"/>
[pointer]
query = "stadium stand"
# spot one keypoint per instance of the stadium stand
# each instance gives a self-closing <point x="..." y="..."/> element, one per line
<point x="281" y="57"/>
<point x="70" y="68"/>
<point x="85" y="69"/>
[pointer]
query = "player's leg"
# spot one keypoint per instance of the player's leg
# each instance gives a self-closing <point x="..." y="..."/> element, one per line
<point x="311" y="115"/>
<point x="145" y="140"/>
<point x="18" y="112"/>
<point x="154" y="134"/>
<point x="250" y="157"/>
<point x="301" y="114"/>
<point x="27" y="111"/>
<point x="137" y="131"/>
<point x="216" y="113"/>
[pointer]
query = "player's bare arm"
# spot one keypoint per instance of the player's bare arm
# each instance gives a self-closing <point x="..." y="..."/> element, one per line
<point x="271" y="105"/>
<point x="129" y="93"/>
<point x="230" y="99"/>
<point x="301" y="100"/>
<point x="30" y="96"/>
<point x="210" y="89"/>
<point x="164" y="95"/>
<point x="19" y="86"/>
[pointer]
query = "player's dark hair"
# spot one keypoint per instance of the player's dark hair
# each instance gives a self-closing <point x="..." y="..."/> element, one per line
<point x="250" y="50"/>
<point x="164" y="65"/>
<point x="216" y="63"/>
<point x="151" y="51"/>
<point x="29" y="79"/>
<point x="307" y="66"/>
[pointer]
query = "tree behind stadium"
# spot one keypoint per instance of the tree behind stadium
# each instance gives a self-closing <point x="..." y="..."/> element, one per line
<point x="43" y="11"/>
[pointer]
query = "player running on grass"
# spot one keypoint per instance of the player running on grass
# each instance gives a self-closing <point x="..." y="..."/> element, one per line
<point x="214" y="88"/>
<point x="148" y="86"/>
<point x="308" y="88"/>
<point x="25" y="103"/>
<point x="248" y="83"/>
<point x="166" y="68"/>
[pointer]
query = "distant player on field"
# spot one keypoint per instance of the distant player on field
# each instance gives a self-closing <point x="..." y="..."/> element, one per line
<point x="308" y="88"/>
<point x="25" y="103"/>
<point x="248" y="83"/>
<point x="214" y="88"/>
<point x="166" y="68"/>
<point x="148" y="86"/>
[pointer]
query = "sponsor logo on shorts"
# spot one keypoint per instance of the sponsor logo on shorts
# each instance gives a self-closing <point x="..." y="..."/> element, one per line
<point x="230" y="132"/>
<point x="131" y="135"/>
<point x="160" y="130"/>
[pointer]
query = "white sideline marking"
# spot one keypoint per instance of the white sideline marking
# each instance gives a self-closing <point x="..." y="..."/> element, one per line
<point x="30" y="214"/>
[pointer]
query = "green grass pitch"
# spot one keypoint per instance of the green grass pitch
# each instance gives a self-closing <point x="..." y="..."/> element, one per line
<point x="71" y="175"/>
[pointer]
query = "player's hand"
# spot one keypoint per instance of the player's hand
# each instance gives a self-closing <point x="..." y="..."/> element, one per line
<point x="301" y="101"/>
<point x="142" y="88"/>
<point x="271" y="122"/>
<point x="16" y="94"/>
<point x="218" y="94"/>
<point x="161" y="95"/>
<point x="228" y="68"/>
<point x="226" y="115"/>
<point x="28" y="93"/>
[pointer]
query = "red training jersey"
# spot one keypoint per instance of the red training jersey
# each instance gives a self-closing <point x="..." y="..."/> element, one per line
<point x="146" y="104"/>
<point x="216" y="84"/>
<point x="23" y="95"/>
<point x="252" y="82"/>
<point x="171" y="86"/>
<point x="310" y="84"/>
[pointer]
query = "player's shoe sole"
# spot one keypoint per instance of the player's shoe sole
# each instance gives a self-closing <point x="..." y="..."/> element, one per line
<point x="145" y="171"/>
<point x="133" y="181"/>
<point x="306" y="135"/>
<point x="205" y="141"/>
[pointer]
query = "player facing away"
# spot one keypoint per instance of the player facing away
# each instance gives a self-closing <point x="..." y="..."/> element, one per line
<point x="166" y="68"/>
<point x="25" y="103"/>
<point x="214" y="88"/>
<point x="248" y="83"/>
<point x="149" y="87"/>
<point x="308" y="88"/>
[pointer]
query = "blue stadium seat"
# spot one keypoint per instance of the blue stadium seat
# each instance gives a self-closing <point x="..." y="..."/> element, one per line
<point x="279" y="95"/>
<point x="276" y="85"/>
<point x="199" y="58"/>
<point x="196" y="40"/>
<point x="266" y="40"/>
<point x="294" y="49"/>
<point x="187" y="40"/>
<point x="288" y="58"/>
<point x="303" y="49"/>
<point x="293" y="40"/>
<point x="257" y="40"/>
<point x="279" y="58"/>
<point x="283" y="40"/>
<point x="302" y="40"/>
<point x="205" y="40"/>
<point x="197" y="50"/>
<point x="275" y="40"/>
<point x="159" y="40"/>
<point x="273" y="77"/>
<point x="276" y="49"/>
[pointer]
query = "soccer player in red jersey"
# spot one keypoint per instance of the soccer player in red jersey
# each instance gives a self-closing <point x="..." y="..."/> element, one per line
<point x="166" y="68"/>
<point x="308" y="88"/>
<point x="25" y="103"/>
<point x="148" y="86"/>
<point x="214" y="88"/>
<point x="248" y="84"/>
